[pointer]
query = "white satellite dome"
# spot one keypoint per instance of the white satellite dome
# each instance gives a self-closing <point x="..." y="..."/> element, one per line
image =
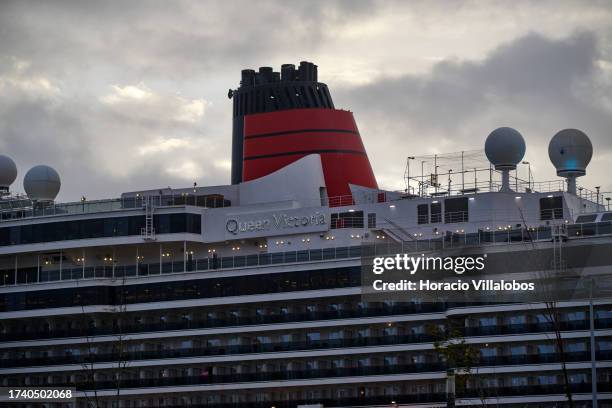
<point x="42" y="183"/>
<point x="570" y="151"/>
<point x="8" y="172"/>
<point x="505" y="148"/>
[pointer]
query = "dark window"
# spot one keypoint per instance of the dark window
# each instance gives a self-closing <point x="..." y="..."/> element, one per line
<point x="5" y="236"/>
<point x="7" y="277"/>
<point x="177" y="290"/>
<point x="423" y="214"/>
<point x="212" y="201"/>
<point x="162" y="224"/>
<point x="135" y="225"/>
<point x="605" y="217"/>
<point x="194" y="223"/>
<point x="347" y="220"/>
<point x="586" y="218"/>
<point x="436" y="212"/>
<point x="372" y="220"/>
<point x="551" y="208"/>
<point x="456" y="210"/>
<point x="97" y="228"/>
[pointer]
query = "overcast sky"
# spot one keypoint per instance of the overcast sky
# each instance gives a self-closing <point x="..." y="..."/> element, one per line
<point x="128" y="95"/>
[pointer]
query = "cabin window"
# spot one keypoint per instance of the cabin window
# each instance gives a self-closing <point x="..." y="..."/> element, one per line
<point x="436" y="212"/>
<point x="456" y="210"/>
<point x="347" y="220"/>
<point x="606" y="217"/>
<point x="372" y="220"/>
<point x="98" y="228"/>
<point x="551" y="208"/>
<point x="422" y="213"/>
<point x="586" y="218"/>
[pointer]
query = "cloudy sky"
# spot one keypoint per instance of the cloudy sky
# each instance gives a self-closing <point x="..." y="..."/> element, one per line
<point x="121" y="96"/>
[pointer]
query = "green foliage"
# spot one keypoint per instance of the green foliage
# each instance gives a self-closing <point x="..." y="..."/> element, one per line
<point x="452" y="347"/>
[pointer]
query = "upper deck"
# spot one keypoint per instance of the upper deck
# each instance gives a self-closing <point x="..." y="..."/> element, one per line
<point x="285" y="217"/>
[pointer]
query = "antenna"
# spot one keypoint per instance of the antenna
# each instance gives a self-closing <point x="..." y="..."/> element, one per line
<point x="42" y="183"/>
<point x="8" y="174"/>
<point x="570" y="151"/>
<point x="505" y="148"/>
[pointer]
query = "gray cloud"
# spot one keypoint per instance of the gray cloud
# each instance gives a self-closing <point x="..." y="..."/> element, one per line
<point x="129" y="95"/>
<point x="536" y="84"/>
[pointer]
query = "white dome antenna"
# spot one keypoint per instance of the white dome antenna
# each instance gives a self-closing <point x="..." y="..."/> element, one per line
<point x="505" y="148"/>
<point x="42" y="183"/>
<point x="8" y="173"/>
<point x="570" y="151"/>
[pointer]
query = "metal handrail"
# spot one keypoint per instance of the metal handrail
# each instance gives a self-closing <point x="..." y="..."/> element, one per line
<point x="447" y="239"/>
<point x="28" y="209"/>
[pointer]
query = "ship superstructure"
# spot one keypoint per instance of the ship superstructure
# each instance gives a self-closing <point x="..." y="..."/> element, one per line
<point x="249" y="294"/>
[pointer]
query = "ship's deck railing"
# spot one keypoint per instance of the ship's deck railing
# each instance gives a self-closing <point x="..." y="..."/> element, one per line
<point x="521" y="186"/>
<point x="33" y="275"/>
<point x="483" y="180"/>
<point x="23" y="208"/>
<point x="20" y="207"/>
<point x="553" y="186"/>
<point x="445" y="240"/>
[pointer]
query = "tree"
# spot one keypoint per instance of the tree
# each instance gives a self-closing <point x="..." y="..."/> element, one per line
<point x="460" y="356"/>
<point x="550" y="273"/>
<point x="118" y="346"/>
<point x="552" y="309"/>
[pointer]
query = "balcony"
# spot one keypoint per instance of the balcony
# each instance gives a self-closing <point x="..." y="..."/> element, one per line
<point x="207" y="379"/>
<point x="229" y="322"/>
<point x="220" y="351"/>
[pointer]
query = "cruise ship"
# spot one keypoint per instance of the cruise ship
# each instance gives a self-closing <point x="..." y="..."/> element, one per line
<point x="252" y="294"/>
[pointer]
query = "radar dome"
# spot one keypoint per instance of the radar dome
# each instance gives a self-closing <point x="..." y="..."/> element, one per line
<point x="42" y="183"/>
<point x="570" y="151"/>
<point x="8" y="172"/>
<point x="505" y="148"/>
